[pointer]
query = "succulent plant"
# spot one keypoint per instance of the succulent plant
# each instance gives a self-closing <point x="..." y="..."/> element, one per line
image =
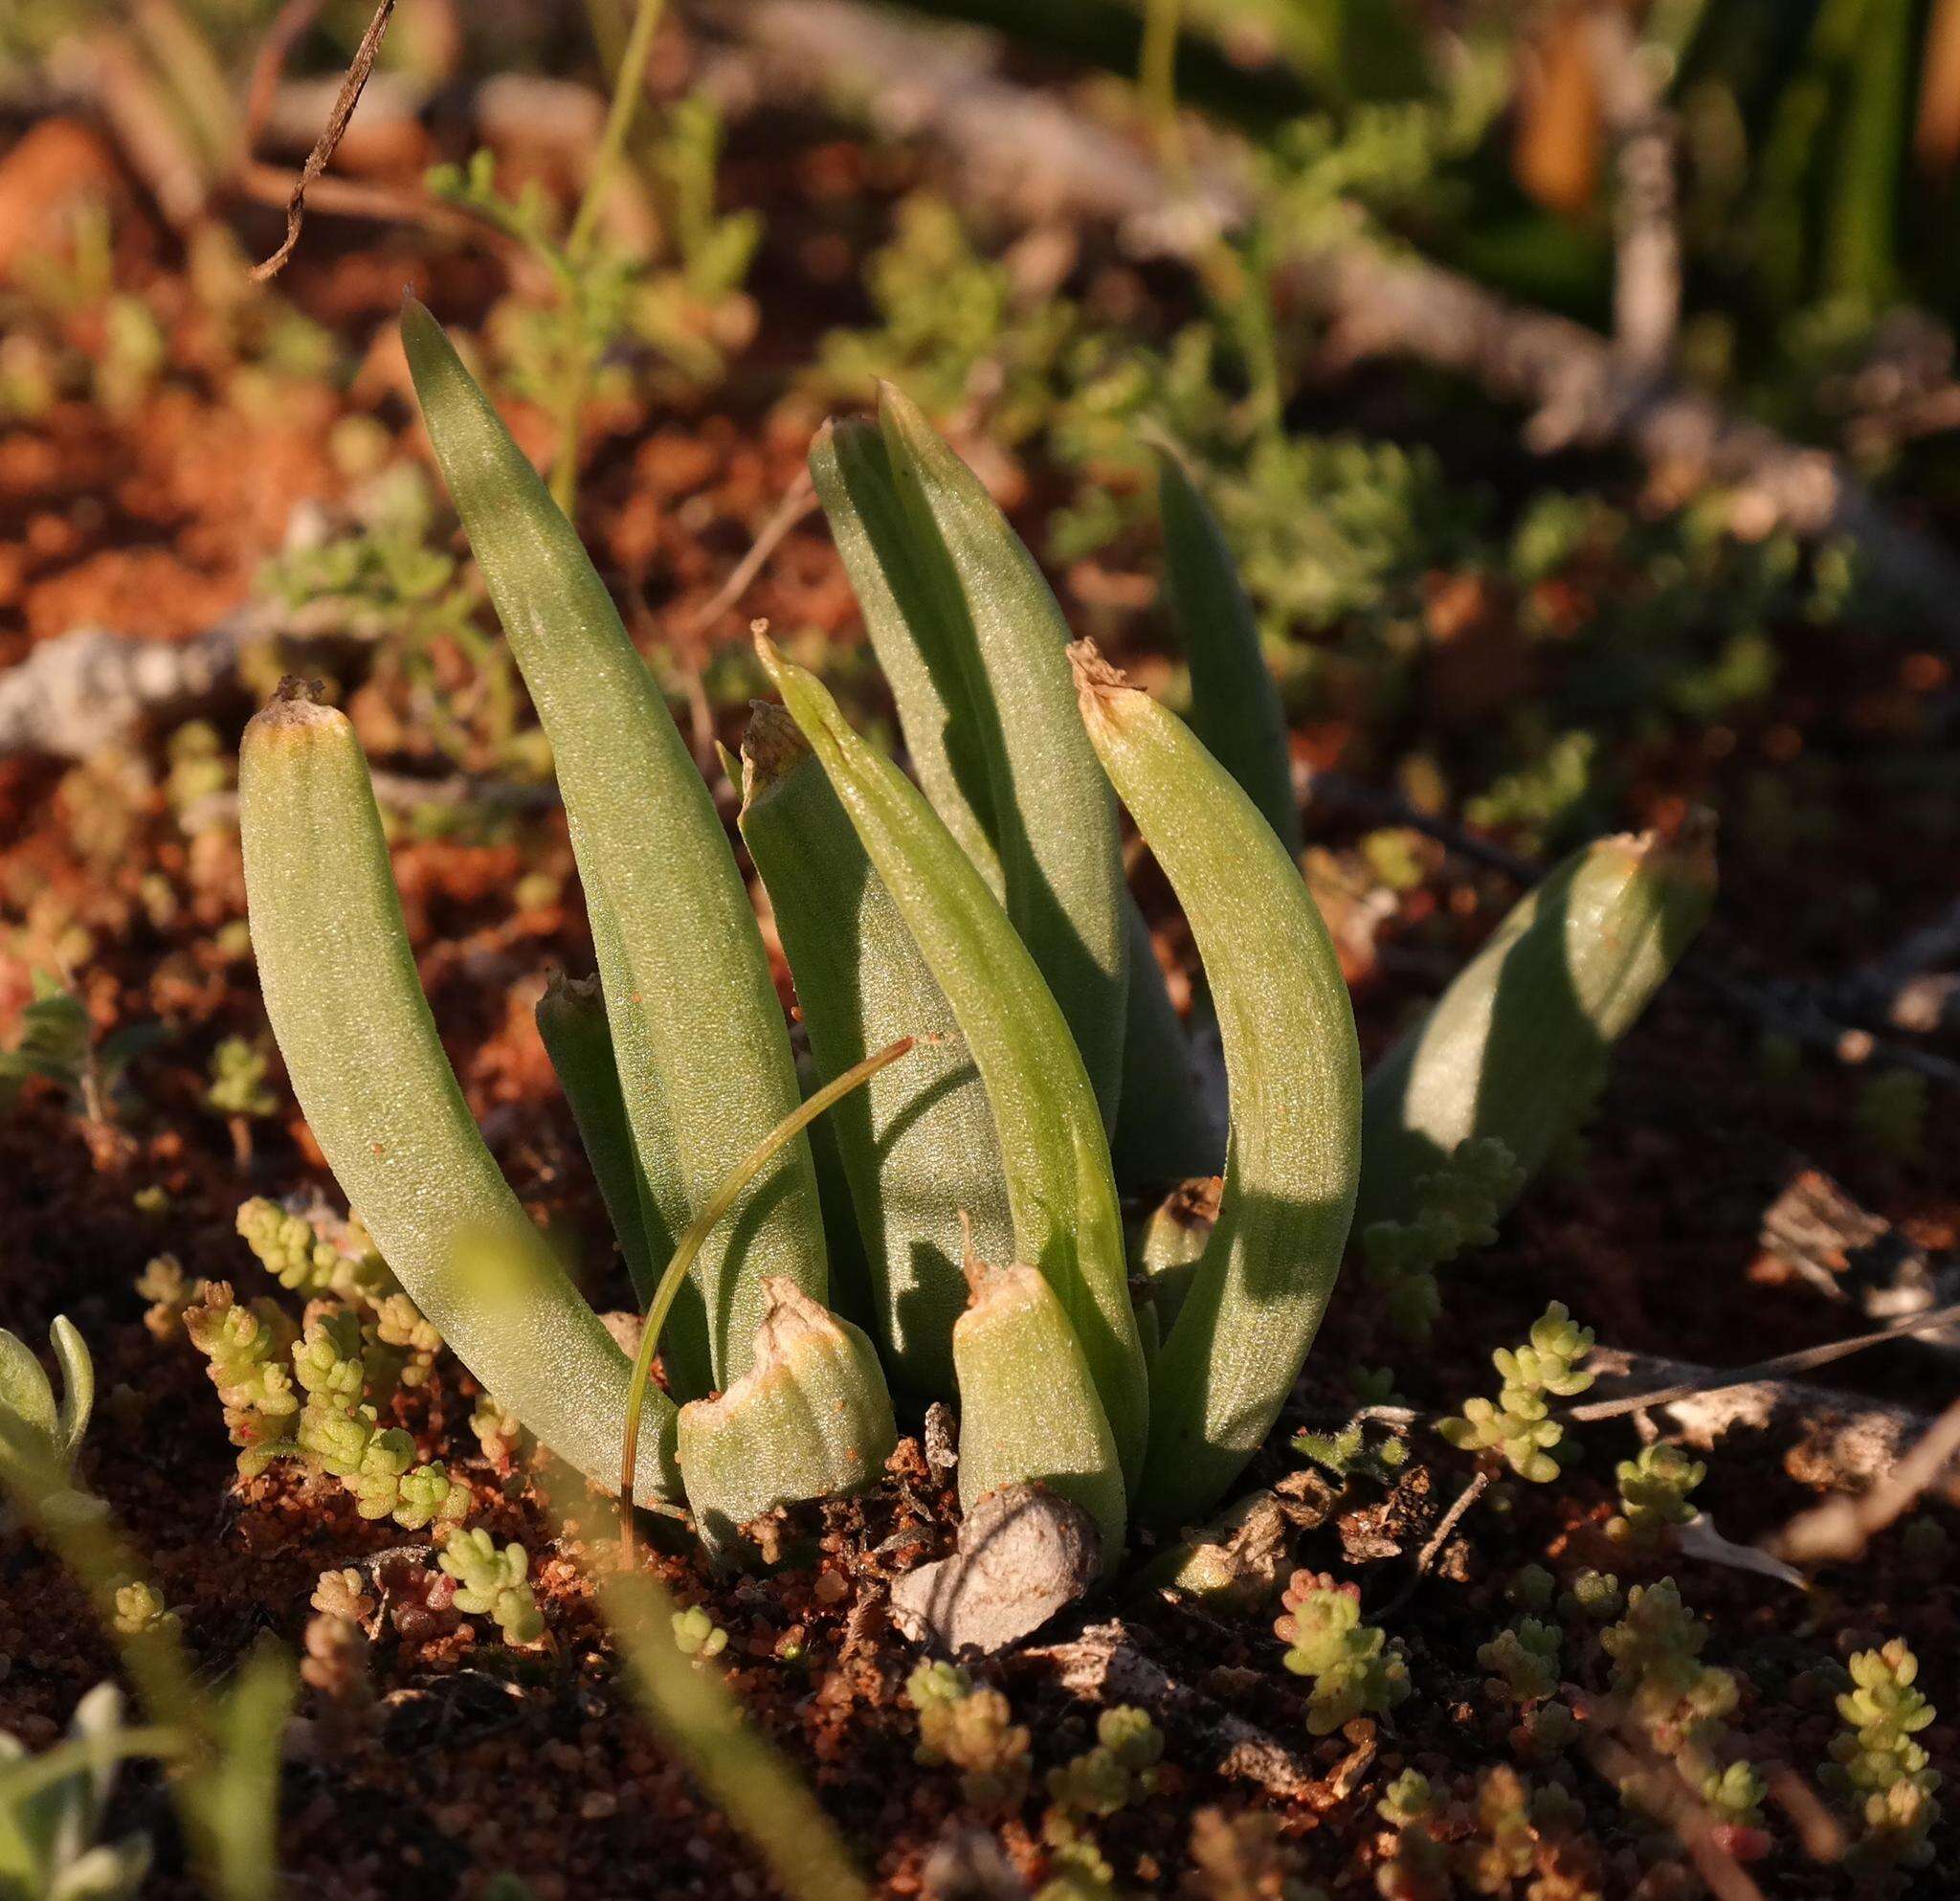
<point x="493" y="1583"/>
<point x="48" y="1846"/>
<point x="979" y="916"/>
<point x="1518" y="1424"/>
<point x="1654" y="1488"/>
<point x="40" y="1434"/>
<point x="1523" y="1660"/>
<point x="970" y="1726"/>
<point x="1355" y="1668"/>
<point x="1121" y="1768"/>
<point x="1878" y="1764"/>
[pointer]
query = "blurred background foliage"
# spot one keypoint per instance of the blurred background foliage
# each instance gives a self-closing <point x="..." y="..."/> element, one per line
<point x="1514" y="635"/>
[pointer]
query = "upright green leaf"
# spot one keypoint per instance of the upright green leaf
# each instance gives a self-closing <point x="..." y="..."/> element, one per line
<point x="1865" y="182"/>
<point x="383" y="1103"/>
<point x="237" y="1791"/>
<point x="1517" y="1047"/>
<point x="1255" y="1298"/>
<point x="572" y="1022"/>
<point x="1052" y="1146"/>
<point x="913" y="630"/>
<point x="970" y="639"/>
<point x="704" y="1054"/>
<point x="1163" y="1132"/>
<point x="1235" y="703"/>
<point x="803" y="1359"/>
<point x="993" y="644"/>
<point x="916" y="1143"/>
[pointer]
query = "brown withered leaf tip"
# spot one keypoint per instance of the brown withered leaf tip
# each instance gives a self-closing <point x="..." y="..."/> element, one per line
<point x="558" y="983"/>
<point x="1098" y="686"/>
<point x="296" y="702"/>
<point x="773" y="746"/>
<point x="981" y="1275"/>
<point x="1093" y="673"/>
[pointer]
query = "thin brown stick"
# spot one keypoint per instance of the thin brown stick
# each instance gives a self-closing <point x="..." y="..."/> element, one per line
<point x="1106" y="1662"/>
<point x="1716" y="1380"/>
<point x="1913" y="987"/>
<point x="798" y="500"/>
<point x="1646" y="245"/>
<point x="1014" y="145"/>
<point x="1790" y="1009"/>
<point x="1393" y="809"/>
<point x="1800" y="1361"/>
<point x="364" y="198"/>
<point x="1841" y="1526"/>
<point x="1837" y="1441"/>
<point x="1432" y="1547"/>
<point x="328" y="142"/>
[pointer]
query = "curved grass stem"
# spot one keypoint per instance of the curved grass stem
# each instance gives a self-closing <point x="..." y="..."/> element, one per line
<point x="689" y="1245"/>
<point x="160" y="1742"/>
<point x="628" y="84"/>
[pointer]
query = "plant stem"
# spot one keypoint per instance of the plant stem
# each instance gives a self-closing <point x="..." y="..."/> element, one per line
<point x="161" y="1740"/>
<point x="703" y="1051"/>
<point x="1293" y="1067"/>
<point x="381" y="1097"/>
<point x="1060" y="1192"/>
<point x="571" y="402"/>
<point x="1157" y="80"/>
<point x="626" y="86"/>
<point x="918" y="1144"/>
<point x="726" y="1196"/>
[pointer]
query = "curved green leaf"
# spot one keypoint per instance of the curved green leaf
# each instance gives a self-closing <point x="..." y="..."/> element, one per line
<point x="916" y="1143"/>
<point x="571" y="1024"/>
<point x="1517" y="1047"/>
<point x="1050" y="1130"/>
<point x="1262" y="1284"/>
<point x="383" y="1103"/>
<point x="698" y="1034"/>
<point x="1235" y="709"/>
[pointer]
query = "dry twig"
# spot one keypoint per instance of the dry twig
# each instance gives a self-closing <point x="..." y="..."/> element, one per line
<point x="1646" y="271"/>
<point x="798" y="500"/>
<point x="1839" y="1439"/>
<point x="1105" y="1662"/>
<point x="1711" y="1379"/>
<point x="269" y="63"/>
<point x="1913" y="987"/>
<point x="328" y="142"/>
<point x="1790" y="1009"/>
<point x="1839" y="1529"/>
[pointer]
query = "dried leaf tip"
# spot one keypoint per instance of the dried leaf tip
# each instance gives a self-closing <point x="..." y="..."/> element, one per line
<point x="982" y="1276"/>
<point x="792" y="1324"/>
<point x="558" y="987"/>
<point x="1683" y="846"/>
<point x="297" y="703"/>
<point x="771" y="749"/>
<point x="1098" y="683"/>
<point x="790" y="1320"/>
